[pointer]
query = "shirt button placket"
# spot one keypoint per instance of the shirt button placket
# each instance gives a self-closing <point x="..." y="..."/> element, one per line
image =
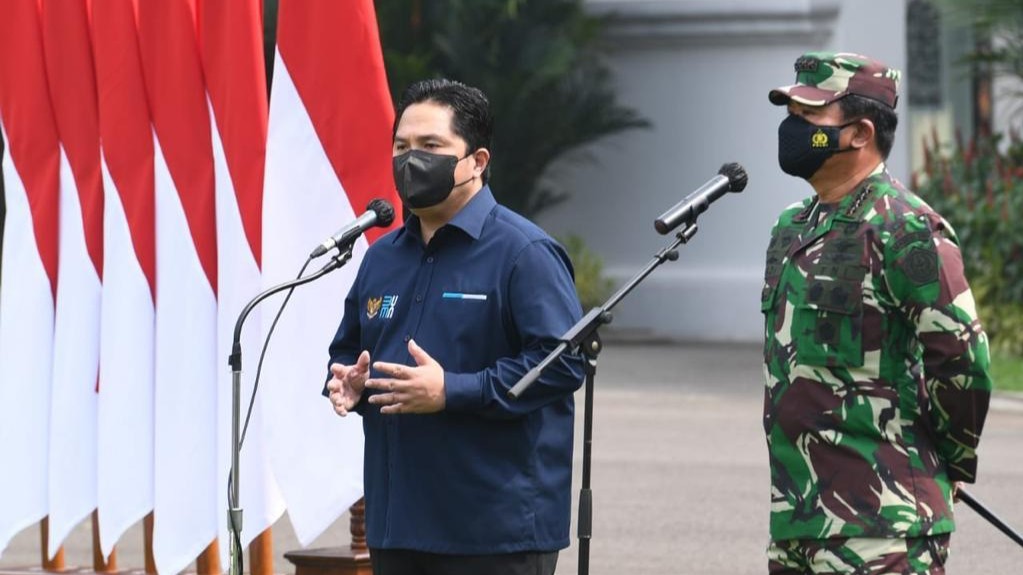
<point x="421" y="288"/>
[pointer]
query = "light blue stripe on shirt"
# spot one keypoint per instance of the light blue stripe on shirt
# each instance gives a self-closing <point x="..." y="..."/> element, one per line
<point x="458" y="295"/>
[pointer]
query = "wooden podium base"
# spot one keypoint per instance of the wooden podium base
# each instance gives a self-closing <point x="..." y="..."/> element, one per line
<point x="329" y="561"/>
<point x="351" y="560"/>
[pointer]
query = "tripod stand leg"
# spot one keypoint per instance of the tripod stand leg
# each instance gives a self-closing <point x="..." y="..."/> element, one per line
<point x="993" y="519"/>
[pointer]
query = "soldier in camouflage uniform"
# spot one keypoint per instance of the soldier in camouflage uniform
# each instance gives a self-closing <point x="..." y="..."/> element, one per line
<point x="875" y="362"/>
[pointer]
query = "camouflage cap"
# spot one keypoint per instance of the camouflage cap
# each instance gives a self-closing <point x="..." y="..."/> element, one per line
<point x="824" y="77"/>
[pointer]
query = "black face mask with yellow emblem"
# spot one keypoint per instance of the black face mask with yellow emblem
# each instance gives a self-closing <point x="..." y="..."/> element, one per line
<point x="803" y="147"/>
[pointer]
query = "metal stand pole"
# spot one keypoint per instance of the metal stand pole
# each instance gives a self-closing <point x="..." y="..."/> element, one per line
<point x="583" y="336"/>
<point x="234" y="512"/>
<point x="591" y="349"/>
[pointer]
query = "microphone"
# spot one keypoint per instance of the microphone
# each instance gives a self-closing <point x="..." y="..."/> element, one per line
<point x="730" y="178"/>
<point x="379" y="213"/>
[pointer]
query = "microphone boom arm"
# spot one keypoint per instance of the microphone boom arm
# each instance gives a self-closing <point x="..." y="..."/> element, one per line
<point x="584" y="329"/>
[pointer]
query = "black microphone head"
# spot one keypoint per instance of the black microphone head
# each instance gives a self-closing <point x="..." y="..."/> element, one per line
<point x="384" y="211"/>
<point x="736" y="175"/>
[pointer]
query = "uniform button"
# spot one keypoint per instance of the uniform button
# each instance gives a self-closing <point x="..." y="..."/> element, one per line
<point x="419" y="299"/>
<point x="429" y="260"/>
<point x="407" y="338"/>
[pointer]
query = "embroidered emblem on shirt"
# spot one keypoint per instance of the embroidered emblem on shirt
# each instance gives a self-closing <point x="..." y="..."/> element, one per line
<point x="921" y="266"/>
<point x="387" y="309"/>
<point x="373" y="307"/>
<point x="921" y="236"/>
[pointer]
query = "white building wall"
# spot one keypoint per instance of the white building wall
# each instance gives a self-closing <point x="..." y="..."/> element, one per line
<point x="700" y="70"/>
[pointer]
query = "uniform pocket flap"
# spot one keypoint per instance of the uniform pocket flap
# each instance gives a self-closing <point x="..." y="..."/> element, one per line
<point x="835" y="296"/>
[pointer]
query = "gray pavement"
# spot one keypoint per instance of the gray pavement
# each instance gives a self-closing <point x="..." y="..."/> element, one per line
<point x="680" y="477"/>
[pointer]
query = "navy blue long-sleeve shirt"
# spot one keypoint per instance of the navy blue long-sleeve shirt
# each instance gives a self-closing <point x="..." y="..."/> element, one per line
<point x="487" y="299"/>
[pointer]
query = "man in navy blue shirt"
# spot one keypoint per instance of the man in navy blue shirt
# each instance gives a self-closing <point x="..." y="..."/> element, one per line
<point x="445" y="315"/>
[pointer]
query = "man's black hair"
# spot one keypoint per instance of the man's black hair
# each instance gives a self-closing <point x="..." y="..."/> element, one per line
<point x="471" y="117"/>
<point x="884" y="118"/>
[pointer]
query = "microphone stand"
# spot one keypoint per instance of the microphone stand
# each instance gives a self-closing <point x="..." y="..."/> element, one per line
<point x="234" y="512"/>
<point x="583" y="337"/>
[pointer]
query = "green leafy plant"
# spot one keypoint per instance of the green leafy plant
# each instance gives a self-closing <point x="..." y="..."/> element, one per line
<point x="539" y="62"/>
<point x="1001" y="19"/>
<point x="1007" y="372"/>
<point x="978" y="187"/>
<point x="997" y="27"/>
<point x="590" y="284"/>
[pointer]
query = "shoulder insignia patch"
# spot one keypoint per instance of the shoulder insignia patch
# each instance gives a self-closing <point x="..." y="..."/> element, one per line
<point x="902" y="242"/>
<point x="921" y="266"/>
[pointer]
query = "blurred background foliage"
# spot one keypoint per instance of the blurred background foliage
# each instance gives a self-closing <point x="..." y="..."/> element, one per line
<point x="539" y="62"/>
<point x="999" y="25"/>
<point x="978" y="187"/>
<point x="591" y="285"/>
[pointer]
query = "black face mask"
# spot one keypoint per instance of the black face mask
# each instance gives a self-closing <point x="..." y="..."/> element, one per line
<point x="804" y="147"/>
<point x="424" y="179"/>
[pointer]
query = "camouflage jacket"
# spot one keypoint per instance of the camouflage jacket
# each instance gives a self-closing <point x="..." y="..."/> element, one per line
<point x="876" y="367"/>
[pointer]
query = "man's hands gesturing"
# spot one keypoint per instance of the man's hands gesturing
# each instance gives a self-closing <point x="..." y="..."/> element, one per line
<point x="348" y="383"/>
<point x="418" y="389"/>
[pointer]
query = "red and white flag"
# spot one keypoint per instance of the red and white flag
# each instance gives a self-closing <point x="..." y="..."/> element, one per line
<point x="185" y="467"/>
<point x="125" y="405"/>
<point x="31" y="164"/>
<point x="328" y="155"/>
<point x="231" y="37"/>
<point x="69" y="67"/>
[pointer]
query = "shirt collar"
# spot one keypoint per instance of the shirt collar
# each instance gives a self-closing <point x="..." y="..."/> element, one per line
<point x="469" y="219"/>
<point x="851" y="202"/>
<point x="473" y="215"/>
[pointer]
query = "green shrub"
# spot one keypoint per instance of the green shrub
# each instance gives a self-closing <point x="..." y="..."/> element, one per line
<point x="540" y="62"/>
<point x="591" y="285"/>
<point x="1007" y="372"/>
<point x="978" y="188"/>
